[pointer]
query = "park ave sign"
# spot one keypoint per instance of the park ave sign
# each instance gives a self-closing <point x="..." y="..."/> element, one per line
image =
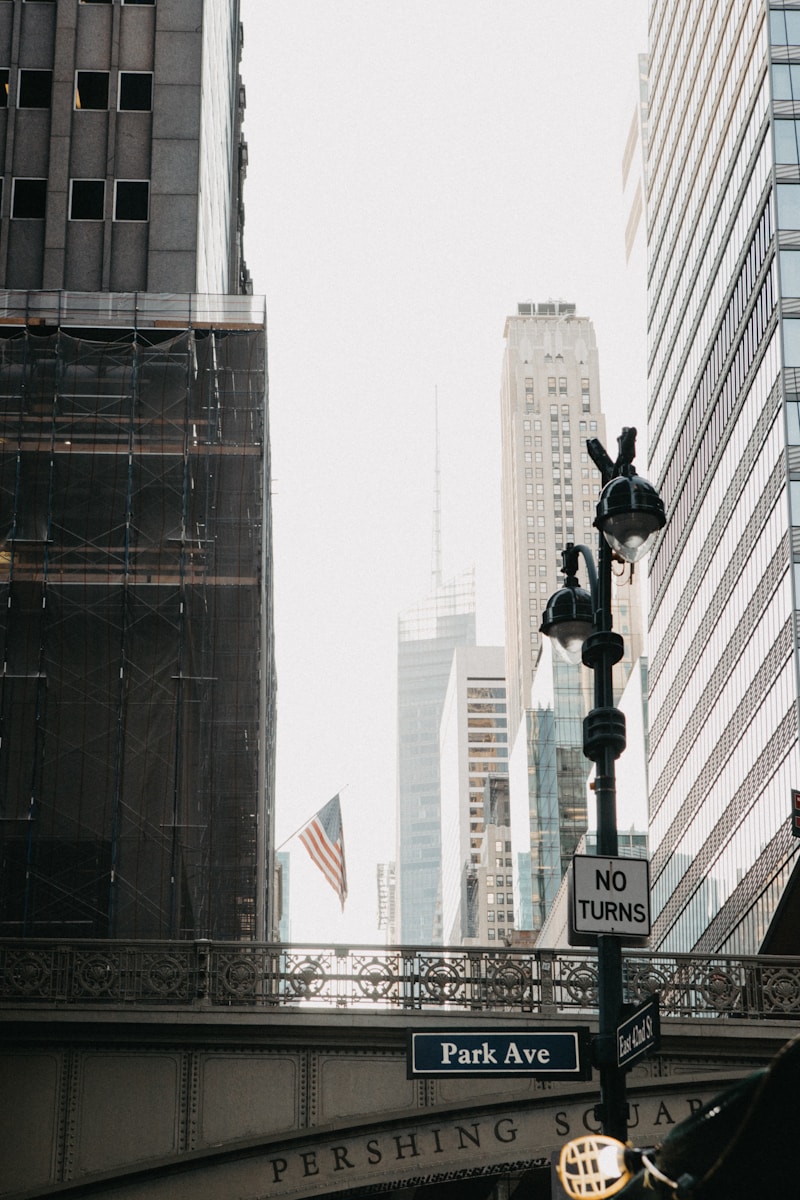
<point x="554" y="1053"/>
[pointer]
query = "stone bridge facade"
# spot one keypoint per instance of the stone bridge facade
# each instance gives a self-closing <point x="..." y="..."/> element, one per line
<point x="134" y="1071"/>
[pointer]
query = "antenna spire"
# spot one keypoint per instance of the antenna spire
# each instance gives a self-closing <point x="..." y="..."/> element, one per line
<point x="436" y="555"/>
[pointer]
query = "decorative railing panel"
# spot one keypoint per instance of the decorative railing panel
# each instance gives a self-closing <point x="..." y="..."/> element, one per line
<point x="212" y="975"/>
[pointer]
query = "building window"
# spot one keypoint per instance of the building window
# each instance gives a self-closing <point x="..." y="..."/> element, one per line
<point x="29" y="199"/>
<point x="784" y="28"/>
<point x="131" y="200"/>
<point x="551" y="385"/>
<point x="35" y="88"/>
<point x="492" y="937"/>
<point x="151" y="2"/>
<point x="135" y="91"/>
<point x="4" y="87"/>
<point x="91" y="89"/>
<point x="562" y="385"/>
<point x="87" y="199"/>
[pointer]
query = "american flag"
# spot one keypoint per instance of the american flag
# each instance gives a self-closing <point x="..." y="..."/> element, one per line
<point x="323" y="838"/>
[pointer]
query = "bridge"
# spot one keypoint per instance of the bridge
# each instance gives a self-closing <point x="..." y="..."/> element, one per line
<point x="225" y="1071"/>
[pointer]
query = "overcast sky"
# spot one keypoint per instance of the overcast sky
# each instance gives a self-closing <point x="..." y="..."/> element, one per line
<point x="416" y="168"/>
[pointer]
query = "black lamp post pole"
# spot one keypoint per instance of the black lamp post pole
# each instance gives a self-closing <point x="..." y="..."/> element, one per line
<point x="629" y="514"/>
<point x="604" y="741"/>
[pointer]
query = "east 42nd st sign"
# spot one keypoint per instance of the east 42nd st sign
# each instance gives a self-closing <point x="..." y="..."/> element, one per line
<point x="552" y="1053"/>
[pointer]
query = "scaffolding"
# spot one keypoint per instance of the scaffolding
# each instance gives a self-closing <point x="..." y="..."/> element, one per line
<point x="137" y="695"/>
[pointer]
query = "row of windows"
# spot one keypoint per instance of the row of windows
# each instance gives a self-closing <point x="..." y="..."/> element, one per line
<point x="718" y="351"/>
<point x="751" y="438"/>
<point x="698" y="135"/>
<point x="730" y="391"/>
<point x="682" y="323"/>
<point x="690" y="247"/>
<point x="151" y="3"/>
<point x="92" y="89"/>
<point x="87" y="199"/>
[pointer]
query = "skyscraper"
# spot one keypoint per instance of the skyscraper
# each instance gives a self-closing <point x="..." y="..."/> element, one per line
<point x="137" y="698"/>
<point x="549" y="406"/>
<point x="473" y="750"/>
<point x="724" y="439"/>
<point x="427" y="635"/>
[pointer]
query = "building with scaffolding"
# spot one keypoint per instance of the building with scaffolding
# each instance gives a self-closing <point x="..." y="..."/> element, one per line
<point x="138" y="687"/>
<point x="137" y="697"/>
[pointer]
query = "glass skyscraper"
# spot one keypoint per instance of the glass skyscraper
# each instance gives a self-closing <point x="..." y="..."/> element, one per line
<point x="724" y="438"/>
<point x="426" y="638"/>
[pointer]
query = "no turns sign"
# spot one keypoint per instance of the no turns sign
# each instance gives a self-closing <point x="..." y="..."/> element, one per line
<point x="609" y="895"/>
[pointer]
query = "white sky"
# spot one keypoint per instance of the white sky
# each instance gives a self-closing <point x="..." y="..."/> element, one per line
<point x="416" y="168"/>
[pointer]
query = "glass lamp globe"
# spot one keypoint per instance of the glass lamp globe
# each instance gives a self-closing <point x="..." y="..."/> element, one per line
<point x="630" y="513"/>
<point x="568" y="620"/>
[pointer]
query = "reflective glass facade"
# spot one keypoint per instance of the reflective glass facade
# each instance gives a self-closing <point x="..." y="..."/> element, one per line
<point x="223" y="162"/>
<point x="427" y="635"/>
<point x="724" y="217"/>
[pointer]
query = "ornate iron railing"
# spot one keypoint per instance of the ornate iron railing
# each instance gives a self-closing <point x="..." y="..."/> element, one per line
<point x="212" y="975"/>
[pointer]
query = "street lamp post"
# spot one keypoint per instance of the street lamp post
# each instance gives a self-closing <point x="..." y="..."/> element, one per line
<point x="629" y="515"/>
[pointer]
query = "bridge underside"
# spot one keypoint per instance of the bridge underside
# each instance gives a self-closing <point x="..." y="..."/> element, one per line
<point x="245" y="1103"/>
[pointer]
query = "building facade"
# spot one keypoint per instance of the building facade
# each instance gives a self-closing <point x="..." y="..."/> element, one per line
<point x="724" y="439"/>
<point x="427" y="636"/>
<point x="550" y="405"/>
<point x="137" y="697"/>
<point x="473" y="750"/>
<point x="123" y="159"/>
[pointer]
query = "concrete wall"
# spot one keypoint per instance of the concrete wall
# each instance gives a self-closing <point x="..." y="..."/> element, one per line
<point x="86" y="1095"/>
<point x="191" y="48"/>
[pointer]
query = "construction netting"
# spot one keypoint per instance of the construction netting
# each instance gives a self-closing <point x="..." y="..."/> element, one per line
<point x="137" y="692"/>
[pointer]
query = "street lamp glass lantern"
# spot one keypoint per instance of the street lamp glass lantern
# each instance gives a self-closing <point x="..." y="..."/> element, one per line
<point x="568" y="620"/>
<point x="630" y="513"/>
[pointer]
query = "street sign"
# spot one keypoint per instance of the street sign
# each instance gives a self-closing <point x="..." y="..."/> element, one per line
<point x="638" y="1033"/>
<point x="608" y="895"/>
<point x="795" y="812"/>
<point x="551" y="1053"/>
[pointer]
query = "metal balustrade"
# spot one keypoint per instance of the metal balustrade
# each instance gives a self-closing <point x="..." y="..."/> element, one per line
<point x="213" y="975"/>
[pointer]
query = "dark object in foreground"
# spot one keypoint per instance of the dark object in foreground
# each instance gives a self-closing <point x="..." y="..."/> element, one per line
<point x="742" y="1144"/>
<point x="739" y="1145"/>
